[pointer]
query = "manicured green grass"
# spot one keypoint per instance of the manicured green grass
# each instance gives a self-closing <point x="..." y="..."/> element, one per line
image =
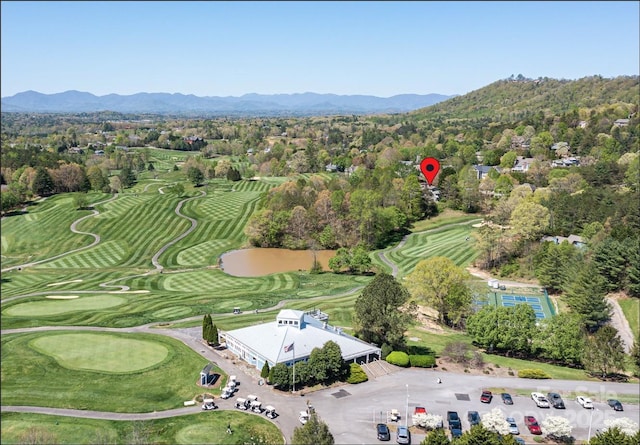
<point x="102" y="352"/>
<point x="30" y="236"/>
<point x="631" y="309"/>
<point x="30" y="377"/>
<point x="203" y="427"/>
<point x="46" y="306"/>
<point x="454" y="242"/>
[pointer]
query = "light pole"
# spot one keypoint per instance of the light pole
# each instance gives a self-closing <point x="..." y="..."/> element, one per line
<point x="406" y="410"/>
<point x="590" y="420"/>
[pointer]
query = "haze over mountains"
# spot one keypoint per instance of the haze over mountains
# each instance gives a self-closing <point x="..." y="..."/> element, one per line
<point x="246" y="105"/>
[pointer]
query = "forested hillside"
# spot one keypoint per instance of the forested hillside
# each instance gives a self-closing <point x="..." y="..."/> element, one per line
<point x="536" y="158"/>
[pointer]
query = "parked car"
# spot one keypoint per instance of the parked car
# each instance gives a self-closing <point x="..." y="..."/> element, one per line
<point x="473" y="417"/>
<point x="555" y="400"/>
<point x="486" y="397"/>
<point x="456" y="432"/>
<point x="585" y="402"/>
<point x="513" y="427"/>
<point x="453" y="419"/>
<point x="540" y="399"/>
<point x="506" y="398"/>
<point x="520" y="441"/>
<point x="383" y="432"/>
<point x="615" y="404"/>
<point x="532" y="424"/>
<point x="403" y="436"/>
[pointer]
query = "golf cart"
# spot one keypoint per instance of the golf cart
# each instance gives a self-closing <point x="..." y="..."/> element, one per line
<point x="270" y="412"/>
<point x="304" y="417"/>
<point x="233" y="382"/>
<point x="226" y="392"/>
<point x="208" y="404"/>
<point x="256" y="407"/>
<point x="242" y="404"/>
<point x="394" y="416"/>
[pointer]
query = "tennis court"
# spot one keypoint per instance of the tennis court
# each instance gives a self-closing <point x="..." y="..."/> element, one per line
<point x="540" y="304"/>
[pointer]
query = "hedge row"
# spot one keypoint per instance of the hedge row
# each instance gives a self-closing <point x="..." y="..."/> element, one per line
<point x="533" y="374"/>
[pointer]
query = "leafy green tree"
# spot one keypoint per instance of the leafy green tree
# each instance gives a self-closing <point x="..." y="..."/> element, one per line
<point x="436" y="437"/>
<point x="379" y="317"/>
<point x="9" y="200"/>
<point x="195" y="175"/>
<point x="604" y="352"/>
<point x="80" y="200"/>
<point x="506" y="329"/>
<point x="42" y="183"/>
<point x="442" y="285"/>
<point x="585" y="294"/>
<point x="280" y="376"/>
<point x="613" y="436"/>
<point x="561" y="339"/>
<point x="412" y="199"/>
<point x="529" y="220"/>
<point x="314" y="432"/>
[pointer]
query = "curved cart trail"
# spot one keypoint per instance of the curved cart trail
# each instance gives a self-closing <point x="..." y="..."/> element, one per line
<point x="96" y="239"/>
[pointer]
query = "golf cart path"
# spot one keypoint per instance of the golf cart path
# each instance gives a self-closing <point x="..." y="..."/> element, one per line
<point x="96" y="239"/>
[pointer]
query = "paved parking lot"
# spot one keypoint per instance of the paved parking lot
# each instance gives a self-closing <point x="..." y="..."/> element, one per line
<point x="351" y="411"/>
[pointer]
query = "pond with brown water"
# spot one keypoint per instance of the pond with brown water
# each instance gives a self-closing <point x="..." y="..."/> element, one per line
<point x="264" y="261"/>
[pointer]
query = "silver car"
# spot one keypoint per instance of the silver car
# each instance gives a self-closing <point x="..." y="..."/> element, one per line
<point x="403" y="436"/>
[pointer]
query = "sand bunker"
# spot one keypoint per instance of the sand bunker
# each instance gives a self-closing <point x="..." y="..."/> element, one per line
<point x="64" y="282"/>
<point x="129" y="292"/>
<point x="62" y="297"/>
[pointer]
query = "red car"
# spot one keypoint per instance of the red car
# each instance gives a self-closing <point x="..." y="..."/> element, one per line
<point x="532" y="424"/>
<point x="486" y="397"/>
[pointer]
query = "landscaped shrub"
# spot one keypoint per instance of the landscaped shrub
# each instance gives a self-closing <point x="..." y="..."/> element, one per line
<point x="533" y="374"/>
<point x="422" y="361"/>
<point x="356" y="374"/>
<point x="398" y="358"/>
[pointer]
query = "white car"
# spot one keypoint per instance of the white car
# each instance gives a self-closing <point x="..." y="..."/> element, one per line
<point x="540" y="399"/>
<point x="513" y="427"/>
<point x="585" y="402"/>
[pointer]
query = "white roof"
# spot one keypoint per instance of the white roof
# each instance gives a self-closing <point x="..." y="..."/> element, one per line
<point x="270" y="339"/>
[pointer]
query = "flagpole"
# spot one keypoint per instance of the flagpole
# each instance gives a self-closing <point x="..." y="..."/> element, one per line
<point x="294" y="367"/>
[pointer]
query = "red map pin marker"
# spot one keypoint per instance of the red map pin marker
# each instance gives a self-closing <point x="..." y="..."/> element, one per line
<point x="430" y="168"/>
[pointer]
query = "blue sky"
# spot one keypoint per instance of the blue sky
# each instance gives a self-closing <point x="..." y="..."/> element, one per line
<point x="379" y="48"/>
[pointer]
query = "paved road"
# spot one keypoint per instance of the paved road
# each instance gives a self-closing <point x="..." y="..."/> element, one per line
<point x="619" y="321"/>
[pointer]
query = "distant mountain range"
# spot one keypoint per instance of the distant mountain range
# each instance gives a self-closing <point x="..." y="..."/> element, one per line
<point x="246" y="105"/>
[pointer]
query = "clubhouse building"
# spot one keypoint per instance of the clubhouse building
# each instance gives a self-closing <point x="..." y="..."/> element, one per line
<point x="291" y="338"/>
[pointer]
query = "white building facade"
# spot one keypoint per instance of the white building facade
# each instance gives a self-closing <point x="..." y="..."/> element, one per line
<point x="291" y="338"/>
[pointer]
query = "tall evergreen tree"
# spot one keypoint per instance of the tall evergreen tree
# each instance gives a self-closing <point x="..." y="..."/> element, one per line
<point x="43" y="183"/>
<point x="585" y="294"/>
<point x="206" y="327"/>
